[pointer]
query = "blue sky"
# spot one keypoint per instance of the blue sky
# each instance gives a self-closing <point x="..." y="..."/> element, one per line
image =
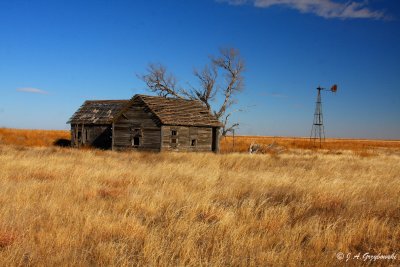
<point x="56" y="54"/>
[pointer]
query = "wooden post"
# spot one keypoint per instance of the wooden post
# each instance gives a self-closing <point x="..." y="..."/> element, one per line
<point x="112" y="136"/>
<point x="83" y="134"/>
<point x="161" y="138"/>
<point x="72" y="135"/>
<point x="217" y="134"/>
<point x="78" y="144"/>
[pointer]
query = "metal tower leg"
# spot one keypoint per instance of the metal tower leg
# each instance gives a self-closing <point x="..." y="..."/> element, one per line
<point x="317" y="130"/>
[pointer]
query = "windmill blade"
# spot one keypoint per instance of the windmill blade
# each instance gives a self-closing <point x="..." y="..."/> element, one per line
<point x="334" y="88"/>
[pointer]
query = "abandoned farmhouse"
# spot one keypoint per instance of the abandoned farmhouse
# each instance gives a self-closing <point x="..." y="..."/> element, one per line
<point x="150" y="123"/>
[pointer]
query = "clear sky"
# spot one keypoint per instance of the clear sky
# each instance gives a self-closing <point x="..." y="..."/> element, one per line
<point x="56" y="54"/>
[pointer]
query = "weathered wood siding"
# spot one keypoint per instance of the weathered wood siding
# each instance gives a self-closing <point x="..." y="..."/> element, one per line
<point x="184" y="137"/>
<point x="73" y="135"/>
<point x="99" y="136"/>
<point x="137" y="116"/>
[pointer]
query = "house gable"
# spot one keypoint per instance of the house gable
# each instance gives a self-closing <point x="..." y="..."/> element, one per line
<point x="136" y="128"/>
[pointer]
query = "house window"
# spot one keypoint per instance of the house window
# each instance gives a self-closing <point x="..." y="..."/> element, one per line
<point x="136" y="141"/>
<point x="174" y="138"/>
<point x="136" y="136"/>
<point x="193" y="142"/>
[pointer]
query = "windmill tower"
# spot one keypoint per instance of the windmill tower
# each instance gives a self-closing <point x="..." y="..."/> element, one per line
<point x="318" y="130"/>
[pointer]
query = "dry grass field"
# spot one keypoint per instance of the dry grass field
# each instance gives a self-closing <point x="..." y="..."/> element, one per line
<point x="242" y="143"/>
<point x="22" y="137"/>
<point x="62" y="206"/>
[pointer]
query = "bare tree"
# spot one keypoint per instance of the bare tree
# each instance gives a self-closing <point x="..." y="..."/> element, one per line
<point x="223" y="76"/>
<point x="160" y="82"/>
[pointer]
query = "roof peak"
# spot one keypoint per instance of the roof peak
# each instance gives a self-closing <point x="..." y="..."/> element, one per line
<point x="179" y="111"/>
<point x="107" y="100"/>
<point x="168" y="98"/>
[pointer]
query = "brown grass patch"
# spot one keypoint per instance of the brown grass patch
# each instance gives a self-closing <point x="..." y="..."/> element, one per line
<point x="107" y="193"/>
<point x="365" y="153"/>
<point x="117" y="183"/>
<point x="42" y="175"/>
<point x="6" y="238"/>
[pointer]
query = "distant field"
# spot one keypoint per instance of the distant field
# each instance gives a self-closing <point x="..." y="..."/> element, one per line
<point x="228" y="144"/>
<point x="242" y="143"/>
<point x="22" y="137"/>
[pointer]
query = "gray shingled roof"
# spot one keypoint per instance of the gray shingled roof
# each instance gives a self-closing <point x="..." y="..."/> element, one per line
<point x="98" y="111"/>
<point x="174" y="111"/>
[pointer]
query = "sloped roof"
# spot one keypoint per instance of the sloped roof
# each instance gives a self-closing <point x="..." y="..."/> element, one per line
<point x="175" y="111"/>
<point x="98" y="111"/>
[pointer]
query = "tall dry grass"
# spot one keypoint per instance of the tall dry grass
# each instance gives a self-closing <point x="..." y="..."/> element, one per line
<point x="102" y="208"/>
<point x="28" y="137"/>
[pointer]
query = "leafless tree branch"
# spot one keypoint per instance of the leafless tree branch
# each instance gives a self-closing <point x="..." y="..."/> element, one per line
<point x="207" y="91"/>
<point x="159" y="81"/>
<point x="228" y="63"/>
<point x="231" y="62"/>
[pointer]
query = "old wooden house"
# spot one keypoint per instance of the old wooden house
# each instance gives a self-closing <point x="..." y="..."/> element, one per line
<point x="91" y="125"/>
<point x="149" y="123"/>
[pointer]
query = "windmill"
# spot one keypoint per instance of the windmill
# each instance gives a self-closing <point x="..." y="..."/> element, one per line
<point x="317" y="130"/>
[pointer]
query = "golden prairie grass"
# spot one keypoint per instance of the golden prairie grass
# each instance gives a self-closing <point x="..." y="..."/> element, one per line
<point x="27" y="137"/>
<point x="74" y="207"/>
<point x="242" y="143"/>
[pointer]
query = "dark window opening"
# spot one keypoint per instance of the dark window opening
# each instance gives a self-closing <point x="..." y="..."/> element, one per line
<point x="136" y="136"/>
<point x="193" y="142"/>
<point x="136" y="141"/>
<point x="174" y="138"/>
